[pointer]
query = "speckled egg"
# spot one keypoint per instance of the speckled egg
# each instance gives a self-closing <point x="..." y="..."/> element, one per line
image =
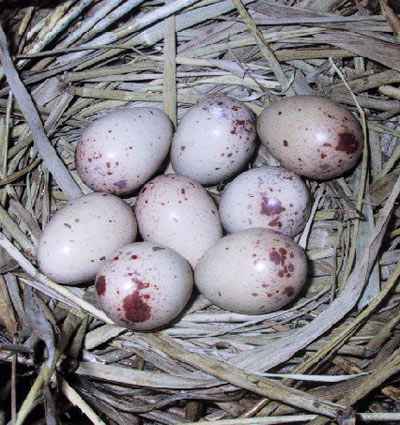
<point x="312" y="136"/>
<point x="83" y="234"/>
<point x="144" y="286"/>
<point x="270" y="197"/>
<point x="214" y="140"/>
<point x="119" y="152"/>
<point x="255" y="271"/>
<point x="177" y="212"/>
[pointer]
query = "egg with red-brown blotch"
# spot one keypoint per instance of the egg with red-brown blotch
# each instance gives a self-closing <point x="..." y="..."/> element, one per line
<point x="82" y="235"/>
<point x="144" y="286"/>
<point x="120" y="151"/>
<point x="269" y="197"/>
<point x="214" y="140"/>
<point x="311" y="136"/>
<point x="177" y="212"/>
<point x="255" y="271"/>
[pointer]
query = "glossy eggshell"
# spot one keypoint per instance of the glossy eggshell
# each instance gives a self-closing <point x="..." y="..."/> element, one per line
<point x="214" y="140"/>
<point x="119" y="152"/>
<point x="269" y="197"/>
<point x="255" y="271"/>
<point x="177" y="212"/>
<point x="144" y="286"/>
<point x="80" y="236"/>
<point x="311" y="136"/>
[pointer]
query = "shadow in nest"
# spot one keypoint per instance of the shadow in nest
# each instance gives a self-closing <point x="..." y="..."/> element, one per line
<point x="374" y="7"/>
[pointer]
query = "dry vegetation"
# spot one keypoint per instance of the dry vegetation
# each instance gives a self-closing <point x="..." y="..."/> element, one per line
<point x="332" y="356"/>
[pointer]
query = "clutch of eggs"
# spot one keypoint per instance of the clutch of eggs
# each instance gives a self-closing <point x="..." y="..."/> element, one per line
<point x="256" y="268"/>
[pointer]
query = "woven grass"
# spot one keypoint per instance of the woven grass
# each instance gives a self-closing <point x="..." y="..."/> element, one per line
<point x="331" y="357"/>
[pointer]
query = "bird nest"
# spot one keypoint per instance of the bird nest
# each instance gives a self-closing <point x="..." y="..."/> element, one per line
<point x="331" y="356"/>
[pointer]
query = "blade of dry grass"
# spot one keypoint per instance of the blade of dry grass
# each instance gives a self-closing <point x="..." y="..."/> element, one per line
<point x="289" y="419"/>
<point x="48" y="36"/>
<point x="380" y="51"/>
<point x="43" y="145"/>
<point x="264" y="48"/>
<point x="169" y="86"/>
<point x="383" y="372"/>
<point x="77" y="400"/>
<point x="236" y="376"/>
<point x="139" y="378"/>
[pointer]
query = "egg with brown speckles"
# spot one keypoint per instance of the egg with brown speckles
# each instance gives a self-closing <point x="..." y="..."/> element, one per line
<point x="178" y="212"/>
<point x="82" y="235"/>
<point x="311" y="136"/>
<point x="214" y="140"/>
<point x="255" y="271"/>
<point x="120" y="151"/>
<point x="144" y="286"/>
<point x="269" y="197"/>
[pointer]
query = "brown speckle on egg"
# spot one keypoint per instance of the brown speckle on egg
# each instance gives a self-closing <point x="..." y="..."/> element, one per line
<point x="271" y="206"/>
<point x="226" y="124"/>
<point x="319" y="123"/>
<point x="101" y="285"/>
<point x="289" y="291"/>
<point x="145" y="294"/>
<point x="124" y="165"/>
<point x="135" y="307"/>
<point x="231" y="279"/>
<point x="347" y="143"/>
<point x="270" y="197"/>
